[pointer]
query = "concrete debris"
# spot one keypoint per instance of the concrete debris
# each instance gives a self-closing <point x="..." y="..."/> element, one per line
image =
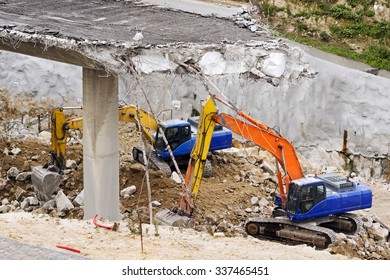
<point x="15" y="151"/>
<point x="33" y="201"/>
<point x="23" y="177"/>
<point x="263" y="202"/>
<point x="63" y="203"/>
<point x="45" y="136"/>
<point x="152" y="63"/>
<point x="12" y="172"/>
<point x="128" y="191"/>
<point x="248" y="210"/>
<point x="274" y="65"/>
<point x="49" y="205"/>
<point x="212" y="63"/>
<point x="6" y="151"/>
<point x="267" y="167"/>
<point x="156" y="203"/>
<point x="378" y="232"/>
<point x="5" y="201"/>
<point x="254" y="200"/>
<point x="138" y="36"/>
<point x="19" y="193"/>
<point x="35" y="158"/>
<point x="79" y="200"/>
<point x="71" y="164"/>
<point x="219" y="234"/>
<point x="175" y="177"/>
<point x="6" y="208"/>
<point x="24" y="204"/>
<point x="372" y="242"/>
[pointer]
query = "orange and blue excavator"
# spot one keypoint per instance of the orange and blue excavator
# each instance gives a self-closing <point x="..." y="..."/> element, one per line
<point x="307" y="209"/>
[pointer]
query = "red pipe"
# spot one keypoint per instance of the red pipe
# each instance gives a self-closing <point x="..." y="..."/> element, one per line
<point x="68" y="248"/>
<point x="100" y="225"/>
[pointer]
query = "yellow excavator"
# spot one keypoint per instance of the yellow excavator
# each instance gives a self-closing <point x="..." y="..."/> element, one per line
<point x="308" y="209"/>
<point x="47" y="178"/>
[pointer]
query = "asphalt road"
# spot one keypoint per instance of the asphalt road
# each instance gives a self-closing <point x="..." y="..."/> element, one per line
<point x="11" y="249"/>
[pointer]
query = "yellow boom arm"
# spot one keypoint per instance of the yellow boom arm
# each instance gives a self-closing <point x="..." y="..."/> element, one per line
<point x="198" y="158"/>
<point x="60" y="126"/>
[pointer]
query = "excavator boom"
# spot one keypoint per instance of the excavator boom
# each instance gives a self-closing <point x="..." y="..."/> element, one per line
<point x="47" y="178"/>
<point x="266" y="138"/>
<point x="182" y="216"/>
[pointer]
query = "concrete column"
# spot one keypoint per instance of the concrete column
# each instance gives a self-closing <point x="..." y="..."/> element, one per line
<point x="100" y="145"/>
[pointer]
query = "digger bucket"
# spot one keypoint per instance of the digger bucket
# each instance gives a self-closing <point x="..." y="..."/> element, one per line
<point x="170" y="218"/>
<point x="45" y="182"/>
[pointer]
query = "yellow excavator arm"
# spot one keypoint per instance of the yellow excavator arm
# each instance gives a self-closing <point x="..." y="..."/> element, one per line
<point x="148" y="123"/>
<point x="60" y="125"/>
<point x="198" y="158"/>
<point x="59" y="135"/>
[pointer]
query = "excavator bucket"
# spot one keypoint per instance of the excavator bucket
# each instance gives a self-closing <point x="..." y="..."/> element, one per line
<point x="45" y="182"/>
<point x="169" y="218"/>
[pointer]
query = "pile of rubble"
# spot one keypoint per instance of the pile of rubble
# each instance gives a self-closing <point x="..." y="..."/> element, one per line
<point x="371" y="242"/>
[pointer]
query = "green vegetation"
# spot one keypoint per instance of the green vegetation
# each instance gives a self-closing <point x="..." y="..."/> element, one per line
<point x="343" y="12"/>
<point x="347" y="28"/>
<point x="377" y="30"/>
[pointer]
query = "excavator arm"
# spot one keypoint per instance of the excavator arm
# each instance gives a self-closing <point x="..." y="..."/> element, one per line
<point x="59" y="135"/>
<point x="60" y="125"/>
<point x="198" y="158"/>
<point x="266" y="138"/>
<point x="148" y="122"/>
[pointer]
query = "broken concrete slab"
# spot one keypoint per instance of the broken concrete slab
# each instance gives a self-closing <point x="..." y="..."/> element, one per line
<point x="13" y="172"/>
<point x="63" y="203"/>
<point x="128" y="191"/>
<point x="79" y="200"/>
<point x="23" y="176"/>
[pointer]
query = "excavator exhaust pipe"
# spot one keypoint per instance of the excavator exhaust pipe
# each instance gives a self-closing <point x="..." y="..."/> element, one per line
<point x="45" y="182"/>
<point x="170" y="218"/>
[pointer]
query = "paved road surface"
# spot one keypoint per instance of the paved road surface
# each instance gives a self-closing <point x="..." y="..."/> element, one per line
<point x="14" y="250"/>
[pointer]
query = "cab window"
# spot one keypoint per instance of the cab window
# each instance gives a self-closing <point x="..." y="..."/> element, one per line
<point x="310" y="196"/>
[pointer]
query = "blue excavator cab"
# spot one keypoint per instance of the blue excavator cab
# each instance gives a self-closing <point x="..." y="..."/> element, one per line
<point x="181" y="136"/>
<point x="324" y="195"/>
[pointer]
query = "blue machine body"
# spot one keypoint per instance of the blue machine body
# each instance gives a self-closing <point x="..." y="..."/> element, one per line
<point x="324" y="195"/>
<point x="181" y="136"/>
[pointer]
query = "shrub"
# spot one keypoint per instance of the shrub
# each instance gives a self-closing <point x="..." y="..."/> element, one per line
<point x="378" y="56"/>
<point x="370" y="13"/>
<point x="324" y="36"/>
<point x="343" y="12"/>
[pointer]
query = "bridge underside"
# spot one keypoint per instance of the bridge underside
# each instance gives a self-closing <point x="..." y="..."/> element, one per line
<point x="93" y="35"/>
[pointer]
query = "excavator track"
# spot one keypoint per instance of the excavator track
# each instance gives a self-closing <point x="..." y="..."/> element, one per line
<point x="286" y="230"/>
<point x="319" y="232"/>
<point x="155" y="163"/>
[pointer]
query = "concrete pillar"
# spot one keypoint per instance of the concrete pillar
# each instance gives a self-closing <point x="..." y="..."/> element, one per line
<point x="100" y="145"/>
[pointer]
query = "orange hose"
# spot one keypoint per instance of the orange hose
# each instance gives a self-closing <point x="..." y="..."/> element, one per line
<point x="68" y="248"/>
<point x="100" y="225"/>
